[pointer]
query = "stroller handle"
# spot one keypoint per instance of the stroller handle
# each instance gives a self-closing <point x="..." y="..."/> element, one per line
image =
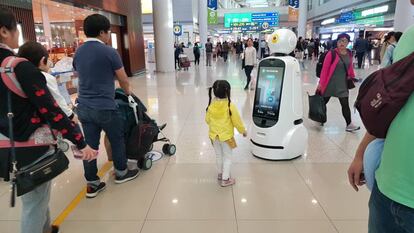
<point x="133" y="104"/>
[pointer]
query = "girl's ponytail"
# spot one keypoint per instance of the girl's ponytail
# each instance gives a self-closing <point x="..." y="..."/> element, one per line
<point x="228" y="97"/>
<point x="209" y="97"/>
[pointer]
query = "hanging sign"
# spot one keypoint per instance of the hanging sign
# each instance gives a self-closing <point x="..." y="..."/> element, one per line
<point x="178" y="30"/>
<point x="212" y="16"/>
<point x="293" y="10"/>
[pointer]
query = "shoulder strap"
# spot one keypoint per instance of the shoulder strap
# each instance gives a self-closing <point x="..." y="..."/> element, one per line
<point x="8" y="75"/>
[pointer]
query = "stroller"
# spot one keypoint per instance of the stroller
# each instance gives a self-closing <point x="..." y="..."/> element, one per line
<point x="184" y="61"/>
<point x="141" y="132"/>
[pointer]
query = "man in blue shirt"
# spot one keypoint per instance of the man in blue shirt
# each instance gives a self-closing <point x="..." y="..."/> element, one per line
<point x="98" y="65"/>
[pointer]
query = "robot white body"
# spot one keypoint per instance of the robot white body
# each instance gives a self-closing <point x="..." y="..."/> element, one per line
<point x="278" y="132"/>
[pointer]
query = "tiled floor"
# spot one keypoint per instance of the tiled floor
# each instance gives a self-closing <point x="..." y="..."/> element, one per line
<point x="180" y="194"/>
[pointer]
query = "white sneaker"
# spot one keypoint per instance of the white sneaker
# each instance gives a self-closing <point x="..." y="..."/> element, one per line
<point x="228" y="182"/>
<point x="352" y="128"/>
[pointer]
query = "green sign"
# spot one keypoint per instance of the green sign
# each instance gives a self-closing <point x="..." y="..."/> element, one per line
<point x="236" y="18"/>
<point x="379" y="21"/>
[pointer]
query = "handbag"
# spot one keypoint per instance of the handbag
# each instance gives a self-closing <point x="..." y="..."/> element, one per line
<point x="44" y="169"/>
<point x="317" y="108"/>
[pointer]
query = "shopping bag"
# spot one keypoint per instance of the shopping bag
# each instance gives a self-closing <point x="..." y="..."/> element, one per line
<point x="317" y="108"/>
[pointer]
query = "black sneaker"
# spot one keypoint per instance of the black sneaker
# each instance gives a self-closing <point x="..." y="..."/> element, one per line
<point x="55" y="229"/>
<point x="130" y="175"/>
<point x="92" y="191"/>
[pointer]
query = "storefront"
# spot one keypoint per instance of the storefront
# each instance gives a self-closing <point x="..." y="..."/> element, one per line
<point x="369" y="20"/>
<point x="58" y="25"/>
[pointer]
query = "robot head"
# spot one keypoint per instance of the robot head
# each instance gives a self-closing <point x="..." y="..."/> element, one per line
<point x="282" y="41"/>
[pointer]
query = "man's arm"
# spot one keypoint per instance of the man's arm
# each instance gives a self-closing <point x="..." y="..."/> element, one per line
<point x="123" y="80"/>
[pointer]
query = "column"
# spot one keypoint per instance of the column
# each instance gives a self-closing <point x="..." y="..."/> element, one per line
<point x="202" y="21"/>
<point x="46" y="25"/>
<point x="303" y="17"/>
<point x="163" y="35"/>
<point x="404" y="15"/>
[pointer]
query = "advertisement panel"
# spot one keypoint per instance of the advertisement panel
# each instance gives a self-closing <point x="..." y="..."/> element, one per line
<point x="212" y="16"/>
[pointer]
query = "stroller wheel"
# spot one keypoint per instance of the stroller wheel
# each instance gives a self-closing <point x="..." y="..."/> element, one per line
<point x="147" y="164"/>
<point x="169" y="149"/>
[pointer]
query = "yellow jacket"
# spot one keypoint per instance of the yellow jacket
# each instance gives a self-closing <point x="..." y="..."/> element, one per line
<point x="220" y="122"/>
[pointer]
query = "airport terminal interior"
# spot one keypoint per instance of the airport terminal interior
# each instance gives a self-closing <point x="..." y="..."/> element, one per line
<point x="291" y="172"/>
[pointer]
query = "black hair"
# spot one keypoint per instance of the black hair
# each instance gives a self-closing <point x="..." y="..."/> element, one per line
<point x="222" y="90"/>
<point x="95" y="24"/>
<point x="7" y="19"/>
<point x="397" y="36"/>
<point x="33" y="52"/>
<point x="388" y="36"/>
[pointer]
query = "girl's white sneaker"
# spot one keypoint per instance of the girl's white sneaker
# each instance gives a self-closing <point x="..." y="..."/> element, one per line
<point x="228" y="182"/>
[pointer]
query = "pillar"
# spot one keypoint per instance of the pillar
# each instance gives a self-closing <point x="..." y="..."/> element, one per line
<point x="404" y="15"/>
<point x="46" y="25"/>
<point x="303" y="18"/>
<point x="163" y="35"/>
<point x="202" y="21"/>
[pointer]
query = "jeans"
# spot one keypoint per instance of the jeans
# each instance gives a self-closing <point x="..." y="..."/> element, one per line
<point x="110" y="121"/>
<point x="346" y="111"/>
<point x="223" y="158"/>
<point x="177" y="61"/>
<point x="225" y="56"/>
<point x="35" y="210"/>
<point x="248" y="71"/>
<point x="388" y="216"/>
<point x="262" y="52"/>
<point x="360" y="57"/>
<point x="208" y="58"/>
<point x="372" y="160"/>
<point x="197" y="59"/>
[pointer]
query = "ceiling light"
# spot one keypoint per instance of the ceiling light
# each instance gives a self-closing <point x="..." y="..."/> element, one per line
<point x="328" y="21"/>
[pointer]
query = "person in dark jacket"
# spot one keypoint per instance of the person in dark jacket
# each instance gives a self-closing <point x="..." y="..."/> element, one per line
<point x="31" y="113"/>
<point x="178" y="50"/>
<point x="361" y="48"/>
<point x="225" y="50"/>
<point x="196" y="51"/>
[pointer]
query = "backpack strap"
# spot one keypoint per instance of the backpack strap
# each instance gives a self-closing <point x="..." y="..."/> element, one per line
<point x="8" y="75"/>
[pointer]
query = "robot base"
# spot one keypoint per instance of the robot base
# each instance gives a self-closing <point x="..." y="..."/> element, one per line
<point x="272" y="154"/>
<point x="291" y="145"/>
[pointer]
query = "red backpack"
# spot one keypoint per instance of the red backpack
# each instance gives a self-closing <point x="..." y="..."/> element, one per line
<point x="383" y="94"/>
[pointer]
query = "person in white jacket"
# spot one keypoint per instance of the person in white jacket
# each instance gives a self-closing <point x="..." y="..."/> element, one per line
<point x="250" y="60"/>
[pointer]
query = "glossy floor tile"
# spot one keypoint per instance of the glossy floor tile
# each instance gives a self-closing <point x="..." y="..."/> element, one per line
<point x="206" y="226"/>
<point x="285" y="226"/>
<point x="181" y="194"/>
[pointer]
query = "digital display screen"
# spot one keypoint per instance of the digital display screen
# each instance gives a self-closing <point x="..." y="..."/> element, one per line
<point x="268" y="93"/>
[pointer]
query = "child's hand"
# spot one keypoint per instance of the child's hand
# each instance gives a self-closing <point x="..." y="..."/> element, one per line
<point x="245" y="134"/>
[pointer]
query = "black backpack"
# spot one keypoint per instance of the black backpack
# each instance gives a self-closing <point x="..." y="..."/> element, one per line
<point x="321" y="59"/>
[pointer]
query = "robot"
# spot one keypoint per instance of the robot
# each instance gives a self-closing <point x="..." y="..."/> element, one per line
<point x="278" y="132"/>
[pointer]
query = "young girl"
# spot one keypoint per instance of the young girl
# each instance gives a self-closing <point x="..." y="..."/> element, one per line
<point x="222" y="117"/>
